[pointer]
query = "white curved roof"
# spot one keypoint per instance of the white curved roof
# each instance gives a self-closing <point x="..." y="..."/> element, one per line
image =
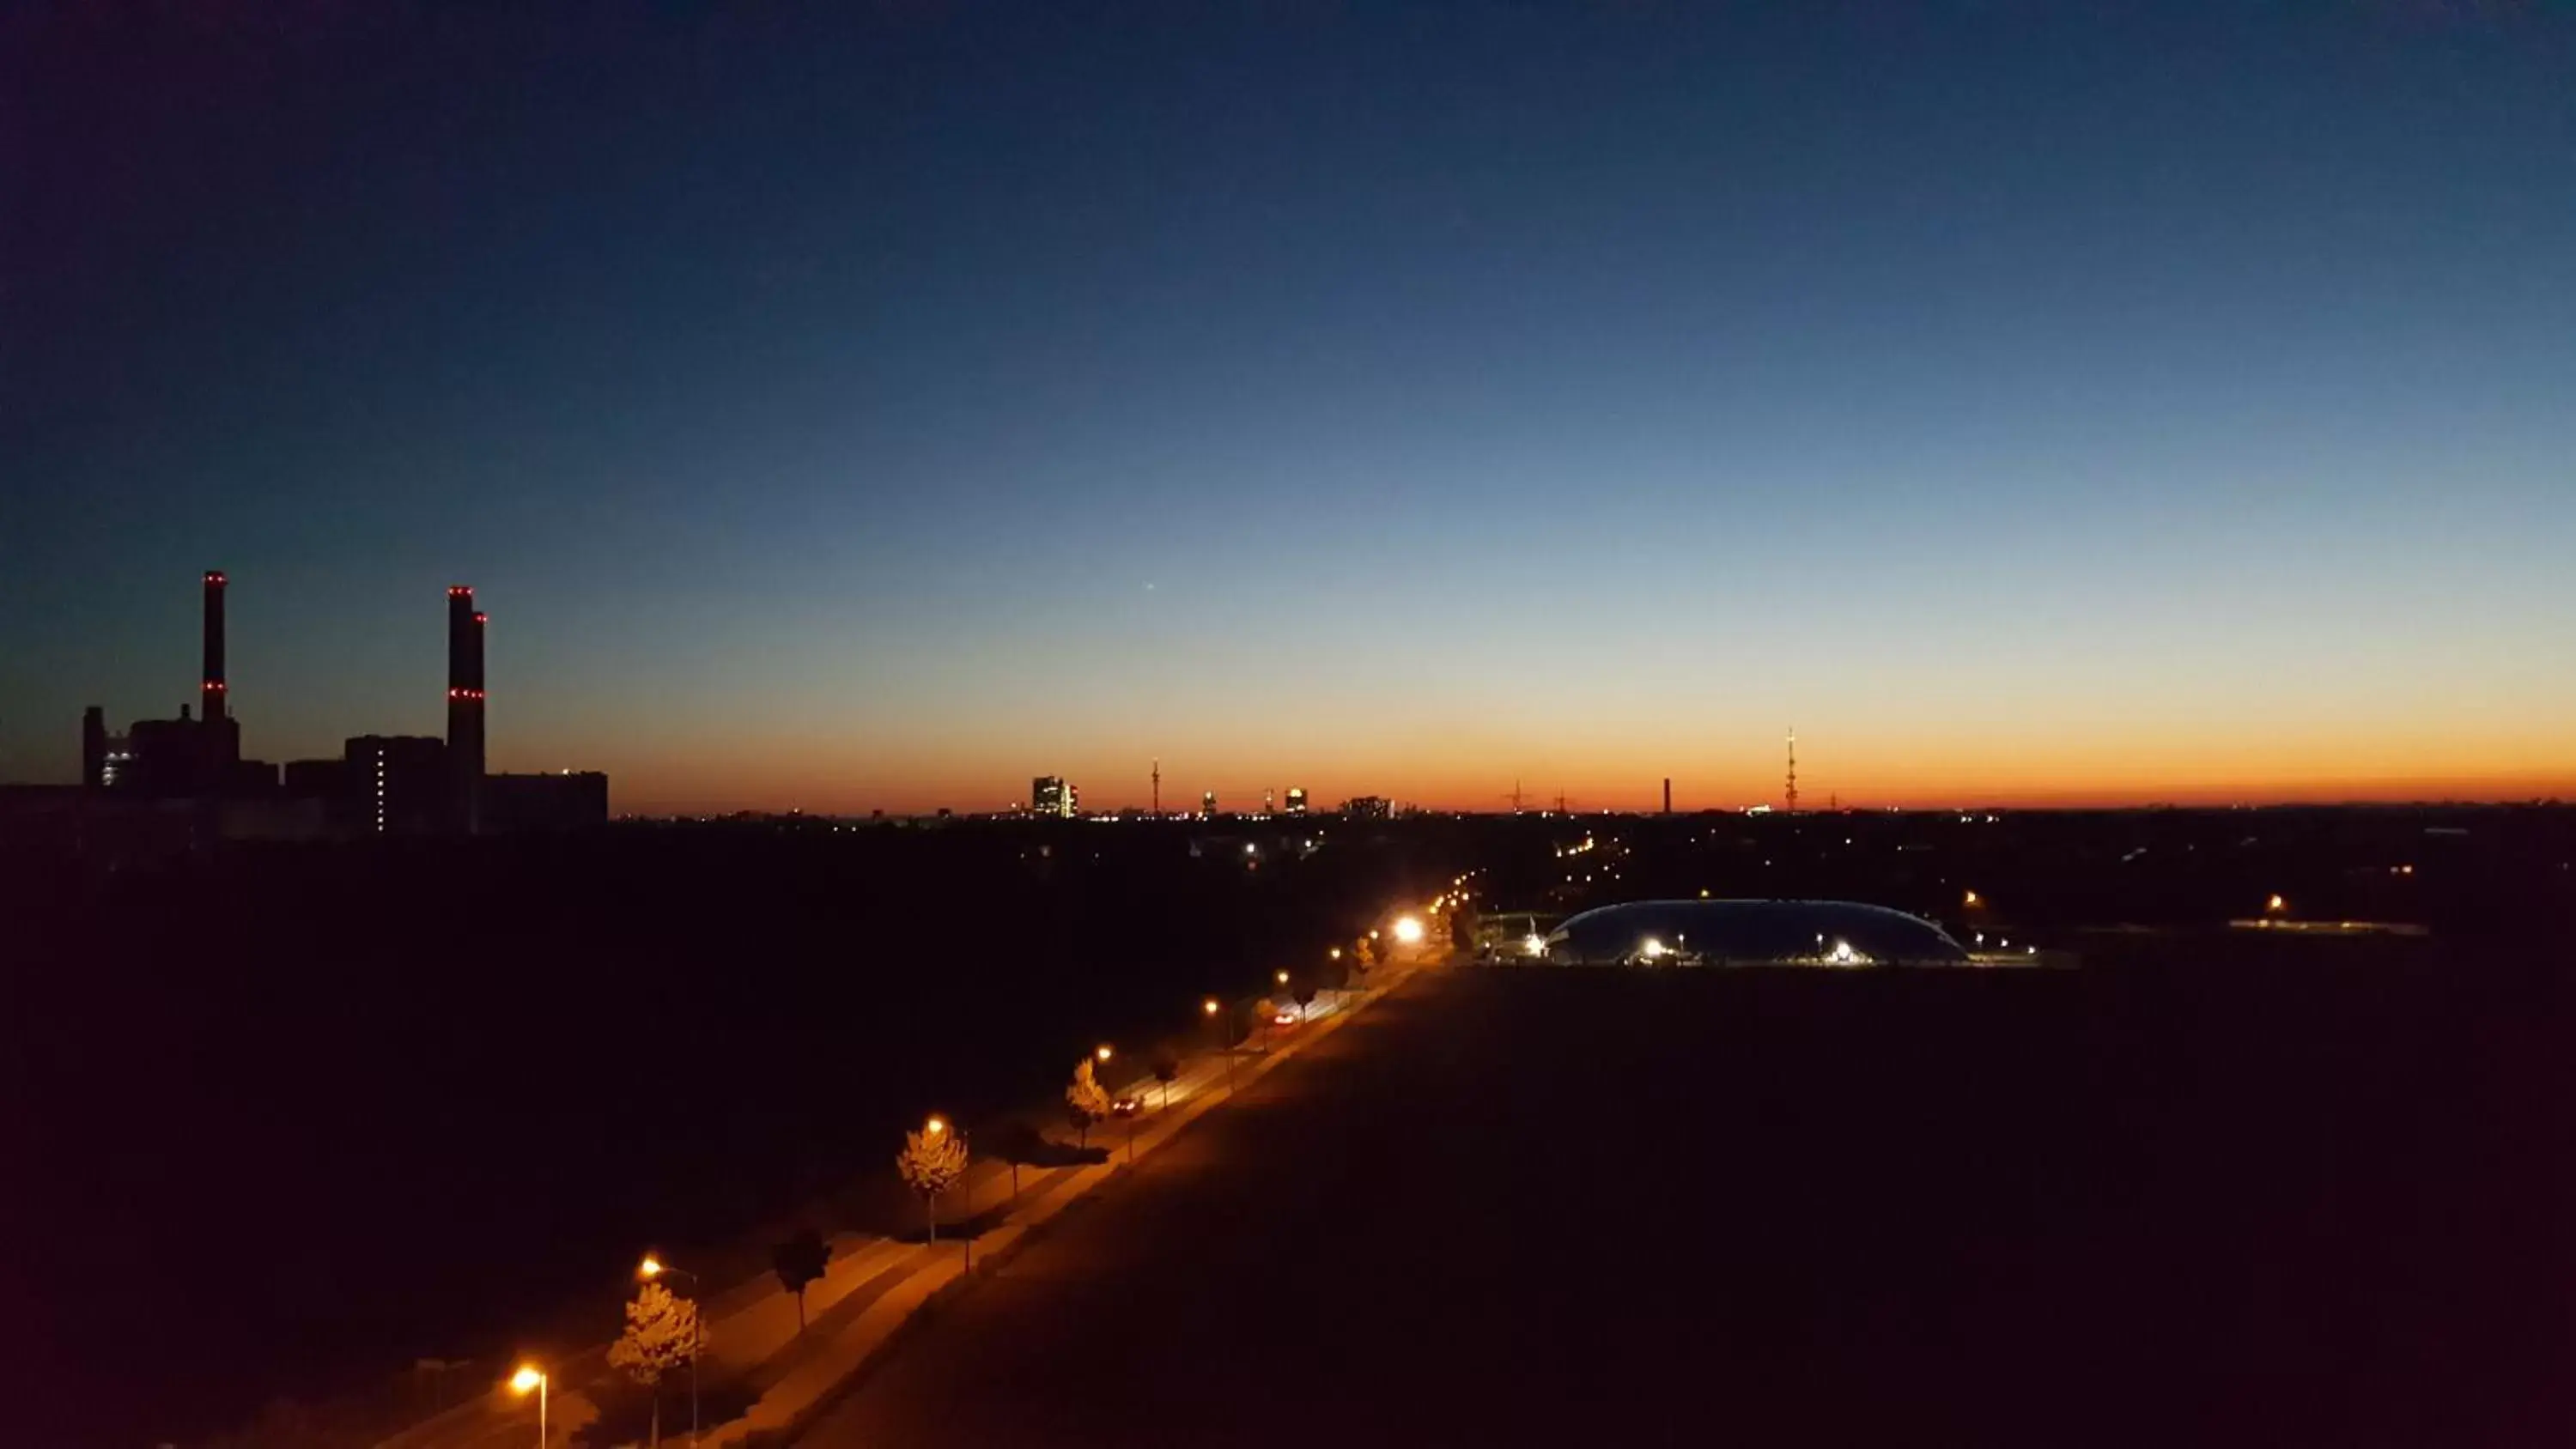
<point x="1750" y="933"/>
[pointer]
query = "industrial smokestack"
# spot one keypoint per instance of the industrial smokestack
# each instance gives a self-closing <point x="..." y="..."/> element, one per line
<point x="93" y="747"/>
<point x="465" y="704"/>
<point x="1668" y="794"/>
<point x="210" y="679"/>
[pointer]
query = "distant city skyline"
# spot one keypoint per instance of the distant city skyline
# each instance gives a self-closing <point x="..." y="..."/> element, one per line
<point x="849" y="408"/>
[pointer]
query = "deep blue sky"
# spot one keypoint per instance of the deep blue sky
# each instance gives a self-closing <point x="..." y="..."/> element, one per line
<point x="877" y="405"/>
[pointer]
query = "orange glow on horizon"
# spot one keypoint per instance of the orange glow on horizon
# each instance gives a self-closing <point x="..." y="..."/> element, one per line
<point x="1937" y="765"/>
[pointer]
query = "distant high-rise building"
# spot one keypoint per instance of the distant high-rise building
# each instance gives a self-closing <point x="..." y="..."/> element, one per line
<point x="398" y="784"/>
<point x="1050" y="796"/>
<point x="1269" y="802"/>
<point x="1296" y="800"/>
<point x="1366" y="807"/>
<point x="1207" y="803"/>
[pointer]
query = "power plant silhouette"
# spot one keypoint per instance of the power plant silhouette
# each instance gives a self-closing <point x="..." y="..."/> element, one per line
<point x="380" y="785"/>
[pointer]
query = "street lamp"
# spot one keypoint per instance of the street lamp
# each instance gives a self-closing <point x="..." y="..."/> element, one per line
<point x="935" y="1127"/>
<point x="1101" y="1051"/>
<point x="1283" y="978"/>
<point x="1208" y="1008"/>
<point x="652" y="1268"/>
<point x="530" y="1377"/>
<point x="1408" y="930"/>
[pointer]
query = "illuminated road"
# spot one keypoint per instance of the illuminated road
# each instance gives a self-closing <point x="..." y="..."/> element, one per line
<point x="753" y="1325"/>
<point x="1757" y="1208"/>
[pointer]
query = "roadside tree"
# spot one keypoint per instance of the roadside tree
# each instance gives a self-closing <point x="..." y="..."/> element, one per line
<point x="662" y="1336"/>
<point x="932" y="1160"/>
<point x="1085" y="1102"/>
<point x="798" y="1261"/>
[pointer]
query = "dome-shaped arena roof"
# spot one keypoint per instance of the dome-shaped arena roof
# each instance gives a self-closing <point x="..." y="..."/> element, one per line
<point x="1750" y="933"/>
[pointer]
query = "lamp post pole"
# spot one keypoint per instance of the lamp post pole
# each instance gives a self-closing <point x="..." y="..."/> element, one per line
<point x="1217" y="1029"/>
<point x="654" y="1268"/>
<point x="529" y="1377"/>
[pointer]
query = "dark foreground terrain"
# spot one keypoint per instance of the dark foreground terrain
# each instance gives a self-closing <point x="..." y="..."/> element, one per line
<point x="2296" y="1203"/>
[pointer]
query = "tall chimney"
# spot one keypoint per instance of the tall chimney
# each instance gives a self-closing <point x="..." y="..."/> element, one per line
<point x="465" y="705"/>
<point x="210" y="677"/>
<point x="93" y="747"/>
<point x="1668" y="794"/>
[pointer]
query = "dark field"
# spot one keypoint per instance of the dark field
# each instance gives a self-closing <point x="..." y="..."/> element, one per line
<point x="2322" y="1199"/>
<point x="278" y="1123"/>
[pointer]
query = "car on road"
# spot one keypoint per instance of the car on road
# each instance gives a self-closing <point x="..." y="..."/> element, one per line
<point x="1127" y="1106"/>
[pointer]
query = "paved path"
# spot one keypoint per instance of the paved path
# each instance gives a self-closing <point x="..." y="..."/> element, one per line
<point x="871" y="1283"/>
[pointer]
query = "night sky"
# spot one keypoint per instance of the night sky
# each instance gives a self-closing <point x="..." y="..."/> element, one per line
<point x="858" y="406"/>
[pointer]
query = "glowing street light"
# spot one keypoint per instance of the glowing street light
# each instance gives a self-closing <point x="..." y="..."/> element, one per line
<point x="1283" y="978"/>
<point x="1208" y="1008"/>
<point x="938" y="1124"/>
<point x="1651" y="948"/>
<point x="1334" y="954"/>
<point x="1102" y="1051"/>
<point x="529" y="1377"/>
<point x="2276" y="905"/>
<point x="1408" y="930"/>
<point x="653" y="1267"/>
<point x="1973" y="899"/>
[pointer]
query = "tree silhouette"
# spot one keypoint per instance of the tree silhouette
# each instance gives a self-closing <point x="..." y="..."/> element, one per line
<point x="798" y="1261"/>
<point x="1016" y="1143"/>
<point x="1462" y="928"/>
<point x="1305" y="998"/>
<point x="1167" y="1070"/>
